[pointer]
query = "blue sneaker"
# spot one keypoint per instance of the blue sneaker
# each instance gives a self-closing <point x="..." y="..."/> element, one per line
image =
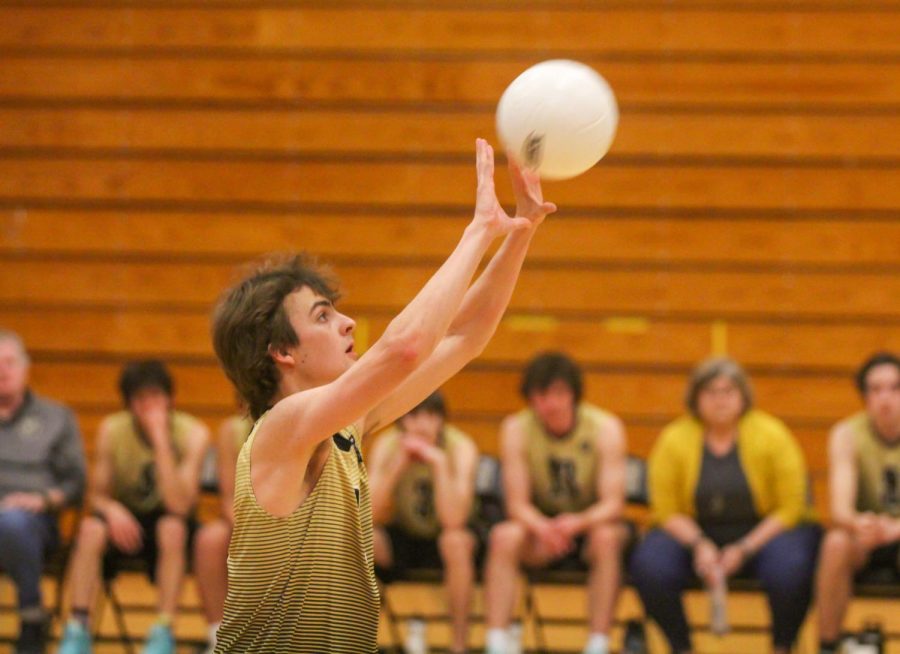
<point x="75" y="639"/>
<point x="160" y="640"/>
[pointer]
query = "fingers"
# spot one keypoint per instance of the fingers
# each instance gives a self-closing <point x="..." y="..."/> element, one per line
<point x="484" y="161"/>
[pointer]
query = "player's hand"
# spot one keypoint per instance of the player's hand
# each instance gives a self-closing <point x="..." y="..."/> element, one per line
<point x="890" y="529"/>
<point x="552" y="540"/>
<point x="529" y="196"/>
<point x="153" y="416"/>
<point x="489" y="215"/>
<point x="32" y="502"/>
<point x="868" y="530"/>
<point x="124" y="530"/>
<point x="425" y="452"/>
<point x="569" y="525"/>
<point x="706" y="559"/>
<point x="732" y="559"/>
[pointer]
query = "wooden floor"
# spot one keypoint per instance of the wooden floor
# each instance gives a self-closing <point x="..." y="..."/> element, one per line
<point x="568" y="602"/>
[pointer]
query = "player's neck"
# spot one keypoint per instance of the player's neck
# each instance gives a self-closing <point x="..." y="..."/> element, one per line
<point x="886" y="430"/>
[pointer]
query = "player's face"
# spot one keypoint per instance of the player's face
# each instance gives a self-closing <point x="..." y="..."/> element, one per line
<point x="555" y="407"/>
<point x="423" y="425"/>
<point x="719" y="403"/>
<point x="13" y="370"/>
<point x="883" y="396"/>
<point x="326" y="348"/>
<point x="149" y="399"/>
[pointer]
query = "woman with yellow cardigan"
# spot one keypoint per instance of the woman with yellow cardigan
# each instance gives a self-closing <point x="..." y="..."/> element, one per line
<point x="728" y="494"/>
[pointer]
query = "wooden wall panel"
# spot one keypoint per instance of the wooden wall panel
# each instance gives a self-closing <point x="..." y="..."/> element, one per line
<point x="576" y="291"/>
<point x="414" y="28"/>
<point x="317" y="182"/>
<point x="643" y="237"/>
<point x="435" y="81"/>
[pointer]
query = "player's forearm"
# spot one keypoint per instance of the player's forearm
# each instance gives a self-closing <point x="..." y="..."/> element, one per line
<point x="527" y="514"/>
<point x="381" y="486"/>
<point x="452" y="503"/>
<point x="843" y="515"/>
<point x="487" y="299"/>
<point x="382" y="498"/>
<point x="100" y="502"/>
<point x="177" y="495"/>
<point x="426" y="318"/>
<point x="609" y="510"/>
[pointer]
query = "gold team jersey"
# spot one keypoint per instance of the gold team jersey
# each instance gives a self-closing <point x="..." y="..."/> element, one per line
<point x="413" y="499"/>
<point x="878" y="466"/>
<point x="304" y="583"/>
<point x="134" y="467"/>
<point x="240" y="428"/>
<point x="563" y="471"/>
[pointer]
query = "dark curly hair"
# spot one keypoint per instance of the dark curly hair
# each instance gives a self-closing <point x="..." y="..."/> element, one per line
<point x="250" y="318"/>
<point x="877" y="359"/>
<point x="548" y="367"/>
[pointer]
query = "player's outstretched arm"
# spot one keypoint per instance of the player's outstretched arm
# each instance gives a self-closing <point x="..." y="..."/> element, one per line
<point x="311" y="416"/>
<point x="484" y="303"/>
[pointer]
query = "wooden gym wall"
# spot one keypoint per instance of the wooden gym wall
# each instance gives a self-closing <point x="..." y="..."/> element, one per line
<point x="749" y="205"/>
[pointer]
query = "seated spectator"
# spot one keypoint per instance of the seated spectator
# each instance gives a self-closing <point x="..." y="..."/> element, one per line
<point x="422" y="481"/>
<point x="211" y="543"/>
<point x="564" y="480"/>
<point x="864" y="484"/>
<point x="143" y="492"/>
<point x="728" y="494"/>
<point x="41" y="471"/>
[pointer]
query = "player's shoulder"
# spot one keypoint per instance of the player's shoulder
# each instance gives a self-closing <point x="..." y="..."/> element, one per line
<point x="847" y="430"/>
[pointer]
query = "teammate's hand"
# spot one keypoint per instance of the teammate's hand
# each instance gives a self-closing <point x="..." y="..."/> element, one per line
<point x="569" y="525"/>
<point x="868" y="530"/>
<point x="33" y="502"/>
<point x="552" y="540"/>
<point x="489" y="215"/>
<point x="890" y="529"/>
<point x="153" y="416"/>
<point x="124" y="529"/>
<point x="529" y="196"/>
<point x="425" y="452"/>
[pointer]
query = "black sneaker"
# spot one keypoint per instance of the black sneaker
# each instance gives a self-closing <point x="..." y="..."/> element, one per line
<point x="33" y="637"/>
<point x="635" y="641"/>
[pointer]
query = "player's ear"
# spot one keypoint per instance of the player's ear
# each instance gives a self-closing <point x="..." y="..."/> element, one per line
<point x="281" y="356"/>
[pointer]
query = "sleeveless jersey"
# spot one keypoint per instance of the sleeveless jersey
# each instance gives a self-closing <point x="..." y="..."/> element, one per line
<point x="240" y="428"/>
<point x="134" y="468"/>
<point x="414" y="508"/>
<point x="304" y="583"/>
<point x="878" y="469"/>
<point x="563" y="471"/>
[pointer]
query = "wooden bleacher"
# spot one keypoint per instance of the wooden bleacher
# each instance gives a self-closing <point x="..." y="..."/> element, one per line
<point x="749" y="205"/>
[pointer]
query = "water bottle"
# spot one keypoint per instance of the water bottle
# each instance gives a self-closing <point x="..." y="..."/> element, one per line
<point x="718" y="603"/>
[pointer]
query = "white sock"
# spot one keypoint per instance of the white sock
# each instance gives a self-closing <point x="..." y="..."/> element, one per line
<point x="597" y="644"/>
<point x="495" y="641"/>
<point x="211" y="633"/>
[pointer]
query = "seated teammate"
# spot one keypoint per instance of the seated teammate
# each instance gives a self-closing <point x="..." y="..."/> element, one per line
<point x="564" y="478"/>
<point x="864" y="484"/>
<point x="211" y="543"/>
<point x="143" y="491"/>
<point x="422" y="476"/>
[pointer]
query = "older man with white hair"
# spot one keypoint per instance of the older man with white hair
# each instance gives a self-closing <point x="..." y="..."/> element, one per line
<point x="41" y="470"/>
